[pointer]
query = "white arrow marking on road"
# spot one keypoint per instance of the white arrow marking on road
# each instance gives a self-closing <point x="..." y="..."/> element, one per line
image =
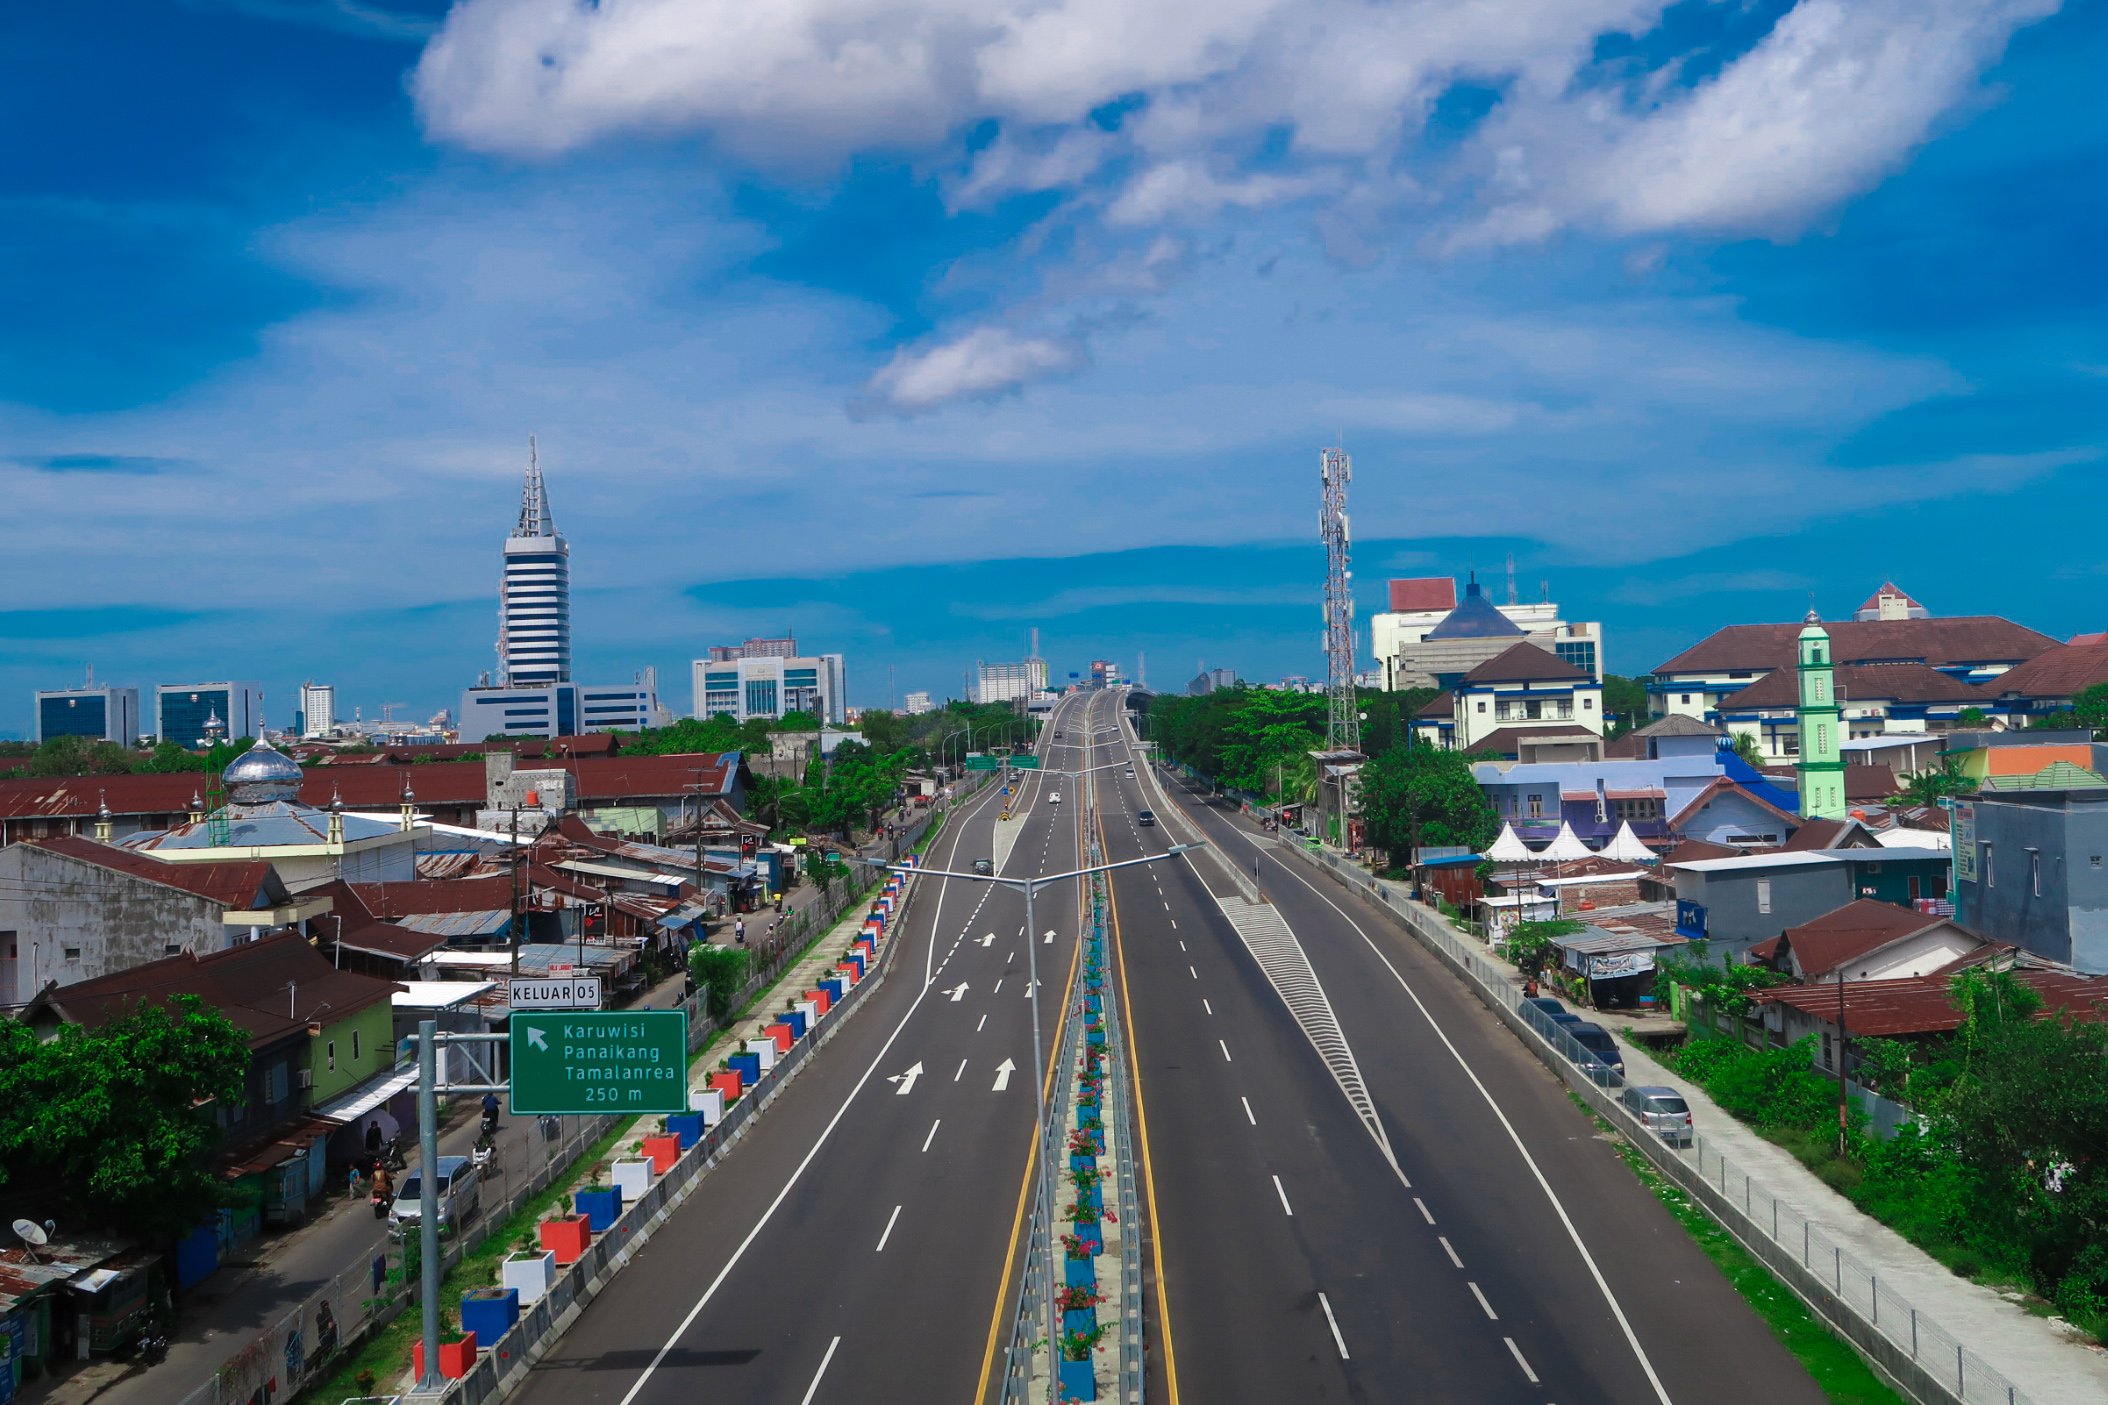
<point x="906" y="1080"/>
<point x="958" y="991"/>
<point x="536" y="1039"/>
<point x="1048" y="939"/>
<point x="1030" y="986"/>
<point x="1003" y="1071"/>
<point x="988" y="940"/>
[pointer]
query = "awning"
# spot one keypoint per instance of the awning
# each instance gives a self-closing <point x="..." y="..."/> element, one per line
<point x="687" y="914"/>
<point x="94" y="1280"/>
<point x="352" y="1105"/>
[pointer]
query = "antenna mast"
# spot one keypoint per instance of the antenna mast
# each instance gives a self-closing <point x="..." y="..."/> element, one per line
<point x="1343" y="725"/>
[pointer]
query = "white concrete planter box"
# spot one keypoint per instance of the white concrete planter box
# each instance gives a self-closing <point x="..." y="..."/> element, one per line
<point x="766" y="1048"/>
<point x="710" y="1103"/>
<point x="632" y="1176"/>
<point x="531" y="1273"/>
<point x="811" y="1011"/>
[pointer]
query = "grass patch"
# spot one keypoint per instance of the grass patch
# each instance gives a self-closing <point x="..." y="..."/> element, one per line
<point x="1834" y="1365"/>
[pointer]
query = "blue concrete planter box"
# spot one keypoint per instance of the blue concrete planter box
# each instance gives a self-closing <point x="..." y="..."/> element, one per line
<point x="688" y="1126"/>
<point x="1082" y="1319"/>
<point x="600" y="1207"/>
<point x="1079" y="1380"/>
<point x="1083" y="1163"/>
<point x="748" y="1067"/>
<point x="1091" y="1232"/>
<point x="833" y="986"/>
<point x="1090" y="1195"/>
<point x="1079" y="1273"/>
<point x="797" y="1023"/>
<point x="490" y="1316"/>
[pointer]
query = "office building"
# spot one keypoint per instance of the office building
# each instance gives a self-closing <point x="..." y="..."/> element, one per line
<point x="918" y="703"/>
<point x="1009" y="682"/>
<point x="769" y="685"/>
<point x="784" y="648"/>
<point x="318" y="709"/>
<point x="534" y="610"/>
<point x="198" y="714"/>
<point x="99" y="711"/>
<point x="559" y="710"/>
<point x="1429" y="638"/>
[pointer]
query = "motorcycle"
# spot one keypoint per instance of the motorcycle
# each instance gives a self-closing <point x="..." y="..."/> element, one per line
<point x="393" y="1156"/>
<point x="380" y="1200"/>
<point x="151" y="1345"/>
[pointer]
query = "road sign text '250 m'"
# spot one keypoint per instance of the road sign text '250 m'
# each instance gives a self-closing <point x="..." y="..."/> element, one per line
<point x="586" y="1062"/>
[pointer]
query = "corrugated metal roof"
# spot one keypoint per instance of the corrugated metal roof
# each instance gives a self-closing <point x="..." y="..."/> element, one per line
<point x="488" y="922"/>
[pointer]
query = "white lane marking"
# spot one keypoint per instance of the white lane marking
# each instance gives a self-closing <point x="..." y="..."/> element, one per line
<point x="933" y="1133"/>
<point x="1248" y="1110"/>
<point x="998" y="989"/>
<point x="962" y="1069"/>
<point x="1449" y="1249"/>
<point x="1484" y="1306"/>
<point x="1225" y="1051"/>
<point x="1010" y="958"/>
<point x="1284" y="1198"/>
<point x="790" y="1182"/>
<point x="814" y="1388"/>
<point x="1516" y="1352"/>
<point x="1573" y="1232"/>
<point x="1174" y="924"/>
<point x="977" y="1028"/>
<point x="1193" y="973"/>
<point x="1332" y="1322"/>
<point x="1167" y="905"/>
<point x="890" y="1219"/>
<point x="1181" y="943"/>
<point x="1206" y="1006"/>
<point x="1425" y="1213"/>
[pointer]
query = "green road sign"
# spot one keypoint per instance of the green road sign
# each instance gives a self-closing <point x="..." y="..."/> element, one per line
<point x="978" y="762"/>
<point x="599" y="1061"/>
<point x="1025" y="761"/>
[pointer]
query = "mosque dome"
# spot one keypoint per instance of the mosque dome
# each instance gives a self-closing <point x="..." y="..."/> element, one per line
<point x="260" y="775"/>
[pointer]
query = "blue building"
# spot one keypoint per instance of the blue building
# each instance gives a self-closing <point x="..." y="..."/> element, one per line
<point x="557" y="710"/>
<point x="104" y="713"/>
<point x="194" y="714"/>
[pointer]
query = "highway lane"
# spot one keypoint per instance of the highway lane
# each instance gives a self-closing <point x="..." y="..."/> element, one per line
<point x="849" y="1247"/>
<point x="1610" y="1301"/>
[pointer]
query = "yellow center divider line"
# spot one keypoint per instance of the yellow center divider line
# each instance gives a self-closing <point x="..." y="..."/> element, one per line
<point x="1024" y="1190"/>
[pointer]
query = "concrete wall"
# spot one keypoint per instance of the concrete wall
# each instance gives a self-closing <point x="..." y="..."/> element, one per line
<point x="374" y="1027"/>
<point x="2068" y="919"/>
<point x="50" y="904"/>
<point x="1733" y="921"/>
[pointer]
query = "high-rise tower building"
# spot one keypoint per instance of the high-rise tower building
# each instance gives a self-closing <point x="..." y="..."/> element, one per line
<point x="1821" y="762"/>
<point x="534" y="609"/>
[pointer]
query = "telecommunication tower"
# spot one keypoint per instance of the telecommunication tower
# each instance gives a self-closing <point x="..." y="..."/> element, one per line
<point x="1343" y="726"/>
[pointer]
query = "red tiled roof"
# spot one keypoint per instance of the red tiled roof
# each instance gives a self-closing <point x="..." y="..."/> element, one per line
<point x="1956" y="639"/>
<point x="1423" y="594"/>
<point x="1873" y="602"/>
<point x="1869" y="784"/>
<point x="1884" y="682"/>
<point x="418" y="897"/>
<point x="2059" y="673"/>
<point x="1440" y="705"/>
<point x="1921" y="1004"/>
<point x="1508" y="740"/>
<point x="387" y="939"/>
<point x="1858" y="928"/>
<point x="1692" y="850"/>
<point x="1526" y="663"/>
<point x="242" y="886"/>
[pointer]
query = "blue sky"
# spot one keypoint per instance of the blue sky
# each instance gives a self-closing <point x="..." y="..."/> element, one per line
<point x="911" y="326"/>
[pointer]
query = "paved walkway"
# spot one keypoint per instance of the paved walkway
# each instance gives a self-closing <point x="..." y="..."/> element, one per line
<point x="2047" y="1360"/>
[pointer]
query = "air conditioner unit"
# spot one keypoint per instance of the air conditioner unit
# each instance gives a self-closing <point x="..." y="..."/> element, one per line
<point x="306" y="1078"/>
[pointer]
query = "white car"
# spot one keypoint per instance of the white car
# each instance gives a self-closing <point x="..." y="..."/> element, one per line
<point x="1055" y="798"/>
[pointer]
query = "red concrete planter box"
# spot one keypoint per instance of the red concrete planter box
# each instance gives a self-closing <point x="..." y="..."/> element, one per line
<point x="820" y="999"/>
<point x="567" y="1238"/>
<point x="456" y="1359"/>
<point x="664" y="1151"/>
<point x="728" y="1083"/>
<point x="783" y="1035"/>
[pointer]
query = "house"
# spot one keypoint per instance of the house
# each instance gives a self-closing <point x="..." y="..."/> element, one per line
<point x="1874" y="700"/>
<point x="73" y="909"/>
<point x="315" y="1033"/>
<point x="1974" y="649"/>
<point x="1520" y="689"/>
<point x="1615" y="953"/>
<point x="1431" y="638"/>
<point x="1867" y="940"/>
<point x="1728" y="812"/>
<point x="1911" y="1008"/>
<point x="1989" y="757"/>
<point x="2031" y="868"/>
<point x="2048" y="682"/>
<point x="1734" y="903"/>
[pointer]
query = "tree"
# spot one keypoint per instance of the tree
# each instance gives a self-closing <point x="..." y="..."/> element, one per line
<point x="1425" y="796"/>
<point x="719" y="971"/>
<point x="2089" y="708"/>
<point x="81" y="756"/>
<point x="1930" y="787"/>
<point x="1529" y="944"/>
<point x="1624" y="703"/>
<point x="116" y="1123"/>
<point x="1746" y="747"/>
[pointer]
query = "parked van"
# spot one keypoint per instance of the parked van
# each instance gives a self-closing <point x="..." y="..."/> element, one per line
<point x="1599" y="1042"/>
<point x="1661" y="1111"/>
<point x="460" y="1195"/>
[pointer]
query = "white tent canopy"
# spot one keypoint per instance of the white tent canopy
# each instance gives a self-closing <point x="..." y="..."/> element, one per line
<point x="1625" y="846"/>
<point x="1509" y="849"/>
<point x="1565" y="847"/>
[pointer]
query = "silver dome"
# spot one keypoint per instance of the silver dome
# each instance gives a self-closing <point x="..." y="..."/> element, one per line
<point x="260" y="775"/>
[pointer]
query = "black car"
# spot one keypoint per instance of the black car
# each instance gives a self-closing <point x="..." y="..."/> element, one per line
<point x="1599" y="1042"/>
<point x="984" y="867"/>
<point x="1145" y="818"/>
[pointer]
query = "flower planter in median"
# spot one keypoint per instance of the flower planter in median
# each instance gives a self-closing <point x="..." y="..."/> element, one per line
<point x="747" y="1066"/>
<point x="489" y="1313"/>
<point x="601" y="1207"/>
<point x="834" y="986"/>
<point x="632" y="1176"/>
<point x="1079" y="1380"/>
<point x="762" y="1049"/>
<point x="566" y="1237"/>
<point x="727" y="1085"/>
<point x="1079" y="1162"/>
<point x="797" y="1021"/>
<point x="687" y="1126"/>
<point x="456" y="1359"/>
<point x="1079" y="1273"/>
<point x="663" y="1149"/>
<point x="783" y="1035"/>
<point x="529" y="1273"/>
<point x="1092" y="1233"/>
<point x="1083" y="1320"/>
<point x="809" y="1011"/>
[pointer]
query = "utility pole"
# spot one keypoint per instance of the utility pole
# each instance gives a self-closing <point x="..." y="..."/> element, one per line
<point x="518" y="918"/>
<point x="1842" y="1100"/>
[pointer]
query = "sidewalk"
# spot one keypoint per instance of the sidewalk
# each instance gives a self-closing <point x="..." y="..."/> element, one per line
<point x="2046" y="1360"/>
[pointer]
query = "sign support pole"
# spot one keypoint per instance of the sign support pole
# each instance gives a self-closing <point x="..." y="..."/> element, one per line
<point x="428" y="1196"/>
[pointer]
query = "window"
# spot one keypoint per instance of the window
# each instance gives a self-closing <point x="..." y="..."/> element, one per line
<point x="1819" y="687"/>
<point x="72" y="953"/>
<point x="354" y="1046"/>
<point x="2034" y="871"/>
<point x="276" y="1084"/>
<point x="1990" y="874"/>
<point x="1537" y="807"/>
<point x="1588" y="704"/>
<point x="171" y="948"/>
<point x="1687" y="697"/>
<point x="332" y="1051"/>
<point x="1482" y="704"/>
<point x="1764" y="895"/>
<point x="1533" y="709"/>
<point x="1826" y="1051"/>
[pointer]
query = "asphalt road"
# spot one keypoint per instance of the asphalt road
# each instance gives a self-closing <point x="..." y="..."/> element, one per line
<point x="854" y="1245"/>
<point x="1507" y="1256"/>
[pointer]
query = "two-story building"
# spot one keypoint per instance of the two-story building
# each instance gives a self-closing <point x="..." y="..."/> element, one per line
<point x="1734" y="903"/>
<point x="1521" y="691"/>
<point x="2031" y="865"/>
<point x="1873" y="700"/>
<point x="2048" y="682"/>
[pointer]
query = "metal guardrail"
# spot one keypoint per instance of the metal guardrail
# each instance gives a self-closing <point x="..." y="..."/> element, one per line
<point x="1908" y="1346"/>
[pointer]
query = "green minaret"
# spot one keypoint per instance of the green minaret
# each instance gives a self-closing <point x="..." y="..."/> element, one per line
<point x="1821" y="765"/>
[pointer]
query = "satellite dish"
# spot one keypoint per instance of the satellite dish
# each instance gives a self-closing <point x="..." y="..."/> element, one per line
<point x="31" y="1232"/>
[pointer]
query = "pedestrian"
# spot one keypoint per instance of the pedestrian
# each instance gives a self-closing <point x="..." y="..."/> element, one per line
<point x="373" y="1140"/>
<point x="772" y="929"/>
<point x="351" y="1185"/>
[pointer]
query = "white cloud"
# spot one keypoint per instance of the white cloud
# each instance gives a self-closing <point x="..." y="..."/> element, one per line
<point x="1183" y="192"/>
<point x="983" y="364"/>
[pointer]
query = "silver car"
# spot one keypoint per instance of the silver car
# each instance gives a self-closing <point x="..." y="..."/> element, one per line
<point x="1661" y="1111"/>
